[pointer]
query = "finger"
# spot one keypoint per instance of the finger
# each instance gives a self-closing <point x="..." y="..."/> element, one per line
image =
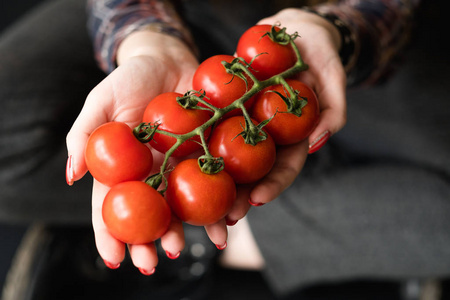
<point x="240" y="206"/>
<point x="110" y="249"/>
<point x="173" y="241"/>
<point x="144" y="257"/>
<point x="91" y="116"/>
<point x="330" y="86"/>
<point x="289" y="163"/>
<point x="218" y="234"/>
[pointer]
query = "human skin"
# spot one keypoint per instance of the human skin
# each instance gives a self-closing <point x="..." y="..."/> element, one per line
<point x="151" y="63"/>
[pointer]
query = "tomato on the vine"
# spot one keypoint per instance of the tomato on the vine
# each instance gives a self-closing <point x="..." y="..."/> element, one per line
<point x="286" y="127"/>
<point x="269" y="57"/>
<point x="221" y="88"/>
<point x="198" y="198"/>
<point x="172" y="117"/>
<point x="135" y="213"/>
<point x="113" y="154"/>
<point x="246" y="163"/>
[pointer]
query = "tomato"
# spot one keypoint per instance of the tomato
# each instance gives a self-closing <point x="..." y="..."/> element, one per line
<point x="173" y="118"/>
<point x="135" y="213"/>
<point x="270" y="58"/>
<point x="221" y="87"/>
<point x="244" y="162"/>
<point x="113" y="154"/>
<point x="198" y="198"/>
<point x="287" y="128"/>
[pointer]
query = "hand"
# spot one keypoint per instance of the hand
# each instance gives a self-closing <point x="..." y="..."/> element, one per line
<point x="319" y="44"/>
<point x="149" y="64"/>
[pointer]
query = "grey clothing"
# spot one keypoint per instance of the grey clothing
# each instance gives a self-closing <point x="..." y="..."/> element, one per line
<point x="373" y="203"/>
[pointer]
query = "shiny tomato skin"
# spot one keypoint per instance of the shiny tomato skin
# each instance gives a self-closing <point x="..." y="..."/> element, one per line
<point x="270" y="58"/>
<point x="113" y="154"/>
<point x="135" y="213"/>
<point x="221" y="88"/>
<point x="244" y="162"/>
<point x="198" y="198"/>
<point x="173" y="118"/>
<point x="287" y="128"/>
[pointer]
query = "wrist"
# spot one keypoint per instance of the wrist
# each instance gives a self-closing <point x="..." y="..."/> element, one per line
<point x="347" y="44"/>
<point x="151" y="43"/>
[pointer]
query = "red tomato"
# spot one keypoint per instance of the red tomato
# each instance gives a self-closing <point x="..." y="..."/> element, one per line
<point x="221" y="88"/>
<point x="113" y="154"/>
<point x="287" y="128"/>
<point x="270" y="58"/>
<point x="173" y="118"/>
<point x="135" y="213"/>
<point x="244" y="162"/>
<point x="198" y="198"/>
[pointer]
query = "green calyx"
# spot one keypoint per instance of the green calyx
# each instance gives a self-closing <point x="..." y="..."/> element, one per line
<point x="280" y="36"/>
<point x="144" y="132"/>
<point x="191" y="99"/>
<point x="235" y="68"/>
<point x="294" y="103"/>
<point x="253" y="134"/>
<point x="211" y="165"/>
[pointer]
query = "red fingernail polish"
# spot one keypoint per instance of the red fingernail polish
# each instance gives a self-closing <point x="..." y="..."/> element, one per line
<point x="111" y="265"/>
<point x="230" y="222"/>
<point x="221" y="247"/>
<point x="147" y="273"/>
<point x="254" y="203"/>
<point x="69" y="170"/>
<point x="319" y="142"/>
<point x="172" y="256"/>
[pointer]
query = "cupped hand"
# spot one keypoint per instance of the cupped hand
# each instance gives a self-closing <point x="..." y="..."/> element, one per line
<point x="149" y="64"/>
<point x="319" y="44"/>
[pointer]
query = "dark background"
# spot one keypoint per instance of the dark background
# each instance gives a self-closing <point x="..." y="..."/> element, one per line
<point x="11" y="234"/>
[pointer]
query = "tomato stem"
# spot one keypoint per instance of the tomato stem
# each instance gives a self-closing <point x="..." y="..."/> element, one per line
<point x="252" y="133"/>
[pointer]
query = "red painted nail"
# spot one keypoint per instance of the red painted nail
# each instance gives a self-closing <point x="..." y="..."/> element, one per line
<point x="111" y="265"/>
<point x="319" y="142"/>
<point x="69" y="170"/>
<point x="254" y="203"/>
<point x="147" y="273"/>
<point x="221" y="247"/>
<point x="230" y="222"/>
<point x="172" y="256"/>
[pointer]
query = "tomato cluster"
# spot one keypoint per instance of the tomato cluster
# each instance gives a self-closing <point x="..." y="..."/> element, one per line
<point x="240" y="109"/>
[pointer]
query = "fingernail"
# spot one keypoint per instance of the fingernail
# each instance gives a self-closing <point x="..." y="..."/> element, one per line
<point x="111" y="265"/>
<point x="221" y="247"/>
<point x="319" y="142"/>
<point x="255" y="203"/>
<point x="172" y="256"/>
<point x="146" y="272"/>
<point x="69" y="170"/>
<point x="230" y="222"/>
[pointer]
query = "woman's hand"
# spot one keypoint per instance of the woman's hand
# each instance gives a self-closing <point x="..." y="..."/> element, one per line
<point x="319" y="44"/>
<point x="149" y="64"/>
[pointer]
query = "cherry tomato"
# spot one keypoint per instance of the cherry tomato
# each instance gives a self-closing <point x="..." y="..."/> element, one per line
<point x="287" y="128"/>
<point x="135" y="213"/>
<point x="270" y="58"/>
<point x="244" y="162"/>
<point x="173" y="118"/>
<point x="113" y="154"/>
<point x="221" y="87"/>
<point x="198" y="198"/>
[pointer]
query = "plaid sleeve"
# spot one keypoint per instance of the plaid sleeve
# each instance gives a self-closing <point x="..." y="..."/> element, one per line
<point x="110" y="21"/>
<point x="379" y="30"/>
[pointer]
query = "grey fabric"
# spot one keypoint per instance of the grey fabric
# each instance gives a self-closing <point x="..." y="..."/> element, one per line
<point x="375" y="201"/>
<point x="46" y="71"/>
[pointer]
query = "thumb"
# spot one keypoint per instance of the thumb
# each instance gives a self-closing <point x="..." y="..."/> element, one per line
<point x="91" y="116"/>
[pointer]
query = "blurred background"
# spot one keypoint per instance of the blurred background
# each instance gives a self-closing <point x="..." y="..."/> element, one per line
<point x="10" y="235"/>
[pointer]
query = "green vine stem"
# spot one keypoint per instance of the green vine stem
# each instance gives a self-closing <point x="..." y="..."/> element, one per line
<point x="192" y="98"/>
